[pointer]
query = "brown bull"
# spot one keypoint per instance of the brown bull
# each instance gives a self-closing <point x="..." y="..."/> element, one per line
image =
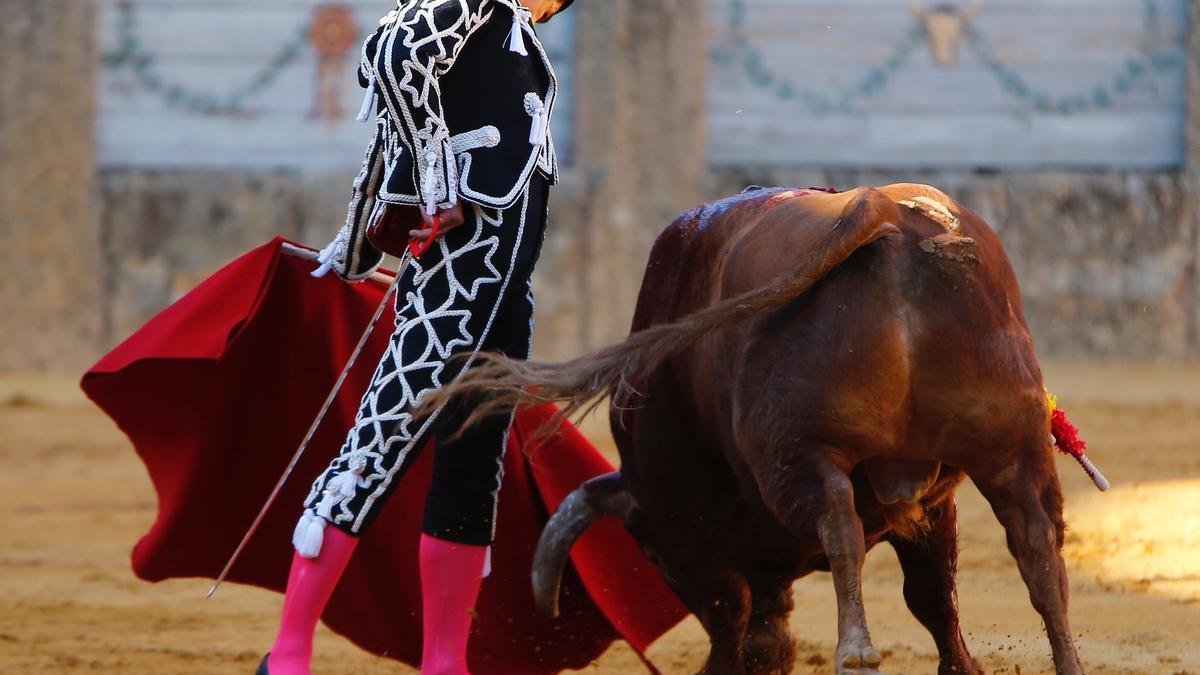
<point x="809" y="375"/>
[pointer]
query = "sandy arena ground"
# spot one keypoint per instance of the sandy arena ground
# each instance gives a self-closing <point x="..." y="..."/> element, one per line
<point x="75" y="499"/>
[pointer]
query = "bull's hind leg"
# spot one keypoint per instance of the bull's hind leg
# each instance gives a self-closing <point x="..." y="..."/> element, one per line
<point x="768" y="648"/>
<point x="817" y="493"/>
<point x="929" y="562"/>
<point x="1027" y="499"/>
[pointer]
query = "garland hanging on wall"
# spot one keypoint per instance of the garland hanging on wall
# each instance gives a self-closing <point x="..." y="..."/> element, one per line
<point x="132" y="57"/>
<point x="744" y="54"/>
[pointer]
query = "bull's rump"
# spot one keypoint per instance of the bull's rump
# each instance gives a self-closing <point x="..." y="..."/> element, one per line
<point x="903" y="326"/>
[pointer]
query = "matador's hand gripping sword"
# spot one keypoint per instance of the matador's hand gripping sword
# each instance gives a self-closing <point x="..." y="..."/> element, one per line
<point x="415" y="249"/>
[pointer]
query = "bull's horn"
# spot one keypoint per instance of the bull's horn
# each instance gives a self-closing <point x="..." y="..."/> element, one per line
<point x="601" y="496"/>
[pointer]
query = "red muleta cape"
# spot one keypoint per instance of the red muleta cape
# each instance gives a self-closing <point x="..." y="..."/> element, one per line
<point x="216" y="392"/>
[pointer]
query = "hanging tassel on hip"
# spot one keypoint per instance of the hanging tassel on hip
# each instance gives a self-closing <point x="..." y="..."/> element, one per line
<point x="368" y="104"/>
<point x="535" y="107"/>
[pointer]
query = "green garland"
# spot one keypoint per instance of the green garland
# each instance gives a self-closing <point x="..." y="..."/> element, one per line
<point x="749" y="57"/>
<point x="131" y="56"/>
<point x="1136" y="69"/>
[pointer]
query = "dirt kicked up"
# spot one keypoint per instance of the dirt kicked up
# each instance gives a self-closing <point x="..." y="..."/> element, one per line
<point x="75" y="498"/>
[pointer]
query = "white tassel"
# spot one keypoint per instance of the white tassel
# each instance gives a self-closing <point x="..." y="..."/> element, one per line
<point x="536" y="109"/>
<point x="539" y="126"/>
<point x="309" y="536"/>
<point x="368" y="104"/>
<point x="487" y="563"/>
<point x="301" y="529"/>
<point x="325" y="508"/>
<point x="516" y="37"/>
<point x="314" y="537"/>
<point x="326" y="258"/>
<point x="534" y="139"/>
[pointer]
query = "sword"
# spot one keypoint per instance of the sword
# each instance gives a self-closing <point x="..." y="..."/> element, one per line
<point x="312" y="429"/>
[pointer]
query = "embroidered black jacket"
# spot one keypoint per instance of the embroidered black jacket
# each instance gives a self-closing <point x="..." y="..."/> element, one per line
<point x="462" y="92"/>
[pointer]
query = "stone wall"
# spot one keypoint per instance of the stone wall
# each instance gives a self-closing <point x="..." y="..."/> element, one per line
<point x="165" y="231"/>
<point x="49" y="249"/>
<point x="1190" y="180"/>
<point x="1106" y="261"/>
<point x="639" y="150"/>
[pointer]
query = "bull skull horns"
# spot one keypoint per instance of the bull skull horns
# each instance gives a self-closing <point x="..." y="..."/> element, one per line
<point x="967" y="13"/>
<point x="944" y="24"/>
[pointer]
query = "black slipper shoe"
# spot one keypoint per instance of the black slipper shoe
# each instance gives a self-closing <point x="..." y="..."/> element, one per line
<point x="262" y="667"/>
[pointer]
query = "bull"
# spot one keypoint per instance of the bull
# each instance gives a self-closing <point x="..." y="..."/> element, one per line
<point x="809" y="375"/>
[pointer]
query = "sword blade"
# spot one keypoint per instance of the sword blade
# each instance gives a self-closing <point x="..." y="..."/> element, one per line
<point x="312" y="429"/>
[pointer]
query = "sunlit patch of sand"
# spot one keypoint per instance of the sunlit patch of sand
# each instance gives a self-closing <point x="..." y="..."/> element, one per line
<point x="1144" y="537"/>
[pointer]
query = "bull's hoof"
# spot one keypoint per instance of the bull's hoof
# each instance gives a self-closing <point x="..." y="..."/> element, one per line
<point x="858" y="660"/>
<point x="967" y="666"/>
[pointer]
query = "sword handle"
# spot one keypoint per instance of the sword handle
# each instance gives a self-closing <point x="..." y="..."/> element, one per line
<point x="418" y="248"/>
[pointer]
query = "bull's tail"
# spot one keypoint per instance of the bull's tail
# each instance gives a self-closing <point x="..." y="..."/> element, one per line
<point x="581" y="383"/>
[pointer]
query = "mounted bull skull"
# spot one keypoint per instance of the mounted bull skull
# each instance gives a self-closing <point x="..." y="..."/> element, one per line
<point x="944" y="25"/>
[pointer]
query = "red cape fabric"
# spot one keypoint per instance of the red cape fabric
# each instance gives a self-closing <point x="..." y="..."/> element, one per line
<point x="217" y="391"/>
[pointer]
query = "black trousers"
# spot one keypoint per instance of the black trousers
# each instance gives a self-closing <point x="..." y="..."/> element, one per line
<point x="471" y="291"/>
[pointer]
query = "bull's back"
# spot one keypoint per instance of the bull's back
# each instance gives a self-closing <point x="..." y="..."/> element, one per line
<point x="686" y="262"/>
<point x="927" y="325"/>
<point x="922" y="325"/>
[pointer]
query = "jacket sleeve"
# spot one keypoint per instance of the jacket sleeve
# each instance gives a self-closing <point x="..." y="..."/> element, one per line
<point x="422" y="45"/>
<point x="351" y="254"/>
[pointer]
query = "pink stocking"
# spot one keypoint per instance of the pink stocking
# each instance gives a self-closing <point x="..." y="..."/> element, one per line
<point x="450" y="578"/>
<point x="310" y="584"/>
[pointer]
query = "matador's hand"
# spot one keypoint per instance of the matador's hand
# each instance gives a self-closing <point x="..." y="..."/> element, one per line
<point x="451" y="218"/>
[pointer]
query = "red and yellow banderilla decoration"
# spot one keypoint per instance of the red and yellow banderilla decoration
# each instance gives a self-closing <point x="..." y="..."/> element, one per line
<point x="1065" y="437"/>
